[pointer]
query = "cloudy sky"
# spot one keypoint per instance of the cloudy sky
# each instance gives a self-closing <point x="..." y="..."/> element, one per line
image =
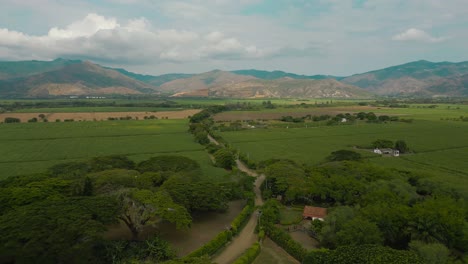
<point x="338" y="37"/>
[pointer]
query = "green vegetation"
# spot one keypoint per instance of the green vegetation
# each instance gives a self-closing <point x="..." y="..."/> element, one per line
<point x="249" y="255"/>
<point x="442" y="157"/>
<point x="33" y="147"/>
<point x="271" y="216"/>
<point x="85" y="197"/>
<point x="362" y="254"/>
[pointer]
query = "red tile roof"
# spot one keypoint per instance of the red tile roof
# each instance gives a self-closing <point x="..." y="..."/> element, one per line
<point x="317" y="212"/>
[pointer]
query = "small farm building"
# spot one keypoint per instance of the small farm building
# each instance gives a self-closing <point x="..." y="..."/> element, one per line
<point x="311" y="212"/>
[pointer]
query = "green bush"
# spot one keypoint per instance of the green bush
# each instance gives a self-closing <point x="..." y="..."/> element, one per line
<point x="213" y="246"/>
<point x="250" y="255"/>
<point x="12" y="120"/>
<point x="224" y="158"/>
<point x="284" y="240"/>
<point x="241" y="219"/>
<point x="261" y="235"/>
<point x="362" y="254"/>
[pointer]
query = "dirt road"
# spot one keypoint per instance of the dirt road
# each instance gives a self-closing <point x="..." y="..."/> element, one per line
<point x="247" y="236"/>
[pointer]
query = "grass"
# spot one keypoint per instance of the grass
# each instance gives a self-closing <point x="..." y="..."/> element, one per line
<point x="289" y="215"/>
<point x="440" y="147"/>
<point x="272" y="253"/>
<point x="33" y="147"/>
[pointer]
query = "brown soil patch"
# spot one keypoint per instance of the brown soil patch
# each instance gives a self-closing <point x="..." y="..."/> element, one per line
<point x="99" y="116"/>
<point x="205" y="226"/>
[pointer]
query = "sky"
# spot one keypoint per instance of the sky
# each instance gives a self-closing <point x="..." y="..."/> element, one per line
<point x="334" y="37"/>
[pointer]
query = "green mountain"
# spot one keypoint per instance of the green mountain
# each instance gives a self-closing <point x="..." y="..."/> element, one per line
<point x="16" y="69"/>
<point x="81" y="78"/>
<point x="62" y="77"/>
<point x="273" y="75"/>
<point x="411" y="78"/>
<point x="154" y="80"/>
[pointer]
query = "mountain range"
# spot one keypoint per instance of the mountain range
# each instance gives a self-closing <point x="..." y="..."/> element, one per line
<point x="62" y="77"/>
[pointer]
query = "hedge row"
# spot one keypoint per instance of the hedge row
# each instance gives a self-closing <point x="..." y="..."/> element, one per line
<point x="284" y="240"/>
<point x="362" y="254"/>
<point x="250" y="255"/>
<point x="222" y="238"/>
<point x="242" y="218"/>
<point x="213" y="245"/>
<point x="270" y="217"/>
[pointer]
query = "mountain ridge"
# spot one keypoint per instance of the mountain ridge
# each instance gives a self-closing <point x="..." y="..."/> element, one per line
<point x="71" y="77"/>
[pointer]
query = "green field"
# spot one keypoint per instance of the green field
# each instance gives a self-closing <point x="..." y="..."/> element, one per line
<point x="33" y="147"/>
<point x="439" y="148"/>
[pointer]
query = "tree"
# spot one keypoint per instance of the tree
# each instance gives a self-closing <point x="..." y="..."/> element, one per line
<point x="401" y="146"/>
<point x="438" y="219"/>
<point x="141" y="207"/>
<point x="382" y="143"/>
<point x="55" y="230"/>
<point x="333" y="223"/>
<point x="359" y="231"/>
<point x="202" y="137"/>
<point x="343" y="154"/>
<point x="224" y="158"/>
<point x="362" y="254"/>
<point x="287" y="178"/>
<point x="168" y="163"/>
<point x="433" y="253"/>
<point x="88" y="187"/>
<point x="196" y="196"/>
<point x="12" y="120"/>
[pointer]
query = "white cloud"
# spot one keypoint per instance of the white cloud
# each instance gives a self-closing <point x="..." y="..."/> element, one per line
<point x="105" y="39"/>
<point x="414" y="34"/>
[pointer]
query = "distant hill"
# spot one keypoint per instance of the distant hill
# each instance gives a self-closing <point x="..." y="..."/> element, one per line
<point x="62" y="77"/>
<point x="273" y="75"/>
<point x="288" y="88"/>
<point x="82" y="78"/>
<point x="203" y="81"/>
<point x="16" y="69"/>
<point x="228" y="84"/>
<point x="154" y="80"/>
<point x="420" y="77"/>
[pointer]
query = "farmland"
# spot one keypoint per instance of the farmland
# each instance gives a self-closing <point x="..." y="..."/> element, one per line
<point x="33" y="147"/>
<point x="439" y="147"/>
<point x="99" y="116"/>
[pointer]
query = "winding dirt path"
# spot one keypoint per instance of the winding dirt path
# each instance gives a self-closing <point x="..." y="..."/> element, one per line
<point x="247" y="236"/>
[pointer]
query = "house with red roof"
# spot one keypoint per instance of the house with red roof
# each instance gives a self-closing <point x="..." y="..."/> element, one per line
<point x="312" y="213"/>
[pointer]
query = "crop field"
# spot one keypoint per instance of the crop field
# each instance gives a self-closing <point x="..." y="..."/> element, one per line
<point x="94" y="109"/>
<point x="33" y="147"/>
<point x="443" y="111"/>
<point x="99" y="116"/>
<point x="439" y="147"/>
<point x="277" y="113"/>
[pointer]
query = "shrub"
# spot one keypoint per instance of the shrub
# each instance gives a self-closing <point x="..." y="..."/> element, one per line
<point x="224" y="158"/>
<point x="284" y="240"/>
<point x="250" y="255"/>
<point x="401" y="146"/>
<point x="241" y="219"/>
<point x="12" y="120"/>
<point x="212" y="246"/>
<point x="382" y="143"/>
<point x="343" y="154"/>
<point x="362" y="254"/>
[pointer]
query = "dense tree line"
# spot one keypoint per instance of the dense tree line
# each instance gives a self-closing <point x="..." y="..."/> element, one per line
<point x="372" y="205"/>
<point x="60" y="216"/>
